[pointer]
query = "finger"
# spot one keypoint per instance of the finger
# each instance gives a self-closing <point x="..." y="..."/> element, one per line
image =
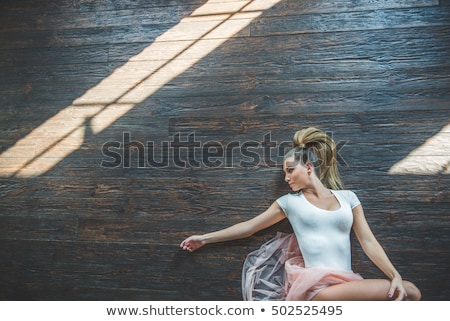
<point x="391" y="292"/>
<point x="400" y="296"/>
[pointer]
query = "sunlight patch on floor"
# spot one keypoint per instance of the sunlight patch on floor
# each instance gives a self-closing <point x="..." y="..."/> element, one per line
<point x="432" y="157"/>
<point x="169" y="56"/>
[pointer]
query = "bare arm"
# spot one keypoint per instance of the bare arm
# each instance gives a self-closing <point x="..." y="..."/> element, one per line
<point x="376" y="253"/>
<point x="272" y="215"/>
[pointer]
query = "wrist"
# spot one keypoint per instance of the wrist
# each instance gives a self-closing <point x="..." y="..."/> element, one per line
<point x="205" y="238"/>
<point x="395" y="275"/>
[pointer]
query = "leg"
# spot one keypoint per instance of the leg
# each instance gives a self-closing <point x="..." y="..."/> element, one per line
<point x="370" y="290"/>
<point x="412" y="291"/>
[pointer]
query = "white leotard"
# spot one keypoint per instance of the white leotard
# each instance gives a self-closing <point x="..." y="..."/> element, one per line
<point x="323" y="236"/>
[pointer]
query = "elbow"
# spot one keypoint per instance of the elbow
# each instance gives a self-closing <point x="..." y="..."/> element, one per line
<point x="372" y="248"/>
<point x="247" y="232"/>
<point x="246" y="229"/>
<point x="368" y="246"/>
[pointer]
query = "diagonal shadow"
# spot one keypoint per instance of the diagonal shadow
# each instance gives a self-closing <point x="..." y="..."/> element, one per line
<point x="193" y="34"/>
<point x="93" y="115"/>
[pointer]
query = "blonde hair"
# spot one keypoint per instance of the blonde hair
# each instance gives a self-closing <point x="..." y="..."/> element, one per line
<point x="312" y="145"/>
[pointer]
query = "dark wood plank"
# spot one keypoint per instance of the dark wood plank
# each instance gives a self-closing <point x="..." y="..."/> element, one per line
<point x="95" y="6"/>
<point x="372" y="73"/>
<point x="367" y="123"/>
<point x="364" y="20"/>
<point x="348" y="21"/>
<point x="323" y="6"/>
<point x="49" y="15"/>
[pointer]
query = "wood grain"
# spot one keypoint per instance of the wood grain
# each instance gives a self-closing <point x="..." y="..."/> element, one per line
<point x="374" y="74"/>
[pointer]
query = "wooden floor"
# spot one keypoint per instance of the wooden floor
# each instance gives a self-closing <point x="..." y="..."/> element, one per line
<point x="125" y="126"/>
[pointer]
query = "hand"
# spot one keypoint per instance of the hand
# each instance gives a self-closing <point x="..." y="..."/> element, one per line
<point x="397" y="291"/>
<point x="192" y="243"/>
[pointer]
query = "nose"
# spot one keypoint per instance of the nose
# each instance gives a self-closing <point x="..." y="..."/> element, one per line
<point x="287" y="178"/>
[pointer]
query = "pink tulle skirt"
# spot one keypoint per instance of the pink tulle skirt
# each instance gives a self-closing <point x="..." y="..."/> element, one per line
<point x="276" y="271"/>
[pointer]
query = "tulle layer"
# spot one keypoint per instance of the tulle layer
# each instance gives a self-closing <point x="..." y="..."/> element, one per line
<point x="276" y="271"/>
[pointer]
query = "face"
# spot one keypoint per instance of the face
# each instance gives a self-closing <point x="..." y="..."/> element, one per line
<point x="296" y="174"/>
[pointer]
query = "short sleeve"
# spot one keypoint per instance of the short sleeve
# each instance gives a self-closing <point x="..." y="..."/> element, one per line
<point x="283" y="203"/>
<point x="352" y="199"/>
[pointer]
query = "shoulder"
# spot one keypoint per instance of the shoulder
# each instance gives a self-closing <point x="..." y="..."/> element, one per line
<point x="285" y="200"/>
<point x="349" y="196"/>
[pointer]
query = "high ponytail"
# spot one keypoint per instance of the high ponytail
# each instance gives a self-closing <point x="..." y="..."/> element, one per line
<point x="315" y="146"/>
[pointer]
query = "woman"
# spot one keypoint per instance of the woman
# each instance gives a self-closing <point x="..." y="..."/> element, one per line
<point x="316" y="260"/>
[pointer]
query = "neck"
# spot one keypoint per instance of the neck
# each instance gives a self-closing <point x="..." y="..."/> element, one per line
<point x="315" y="187"/>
